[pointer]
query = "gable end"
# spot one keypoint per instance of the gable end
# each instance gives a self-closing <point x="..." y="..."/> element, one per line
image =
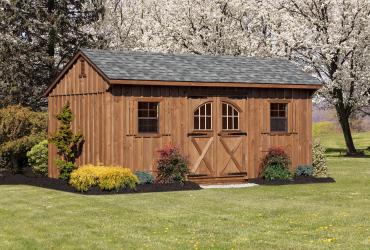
<point x="79" y="76"/>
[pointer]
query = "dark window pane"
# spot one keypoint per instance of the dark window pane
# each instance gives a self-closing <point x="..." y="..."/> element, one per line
<point x="235" y="113"/>
<point x="230" y="122"/>
<point x="278" y="124"/>
<point x="224" y="122"/>
<point x="142" y="113"/>
<point x="196" y="122"/>
<point x="208" y="109"/>
<point x="202" y="123"/>
<point x="153" y="113"/>
<point x="143" y="105"/>
<point x="208" y="123"/>
<point x="236" y="125"/>
<point x="196" y="112"/>
<point x="282" y="106"/>
<point x="274" y="106"/>
<point x="224" y="107"/>
<point x="148" y="126"/>
<point x="282" y="113"/>
<point x="203" y="110"/>
<point x="153" y="105"/>
<point x="274" y="113"/>
<point x="230" y="110"/>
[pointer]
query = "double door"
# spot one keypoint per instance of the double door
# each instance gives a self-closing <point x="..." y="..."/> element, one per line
<point x="217" y="136"/>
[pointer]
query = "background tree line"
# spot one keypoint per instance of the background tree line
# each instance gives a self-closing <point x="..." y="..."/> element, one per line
<point x="327" y="38"/>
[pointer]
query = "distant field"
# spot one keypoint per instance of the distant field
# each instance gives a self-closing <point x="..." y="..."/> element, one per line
<point x="335" y="145"/>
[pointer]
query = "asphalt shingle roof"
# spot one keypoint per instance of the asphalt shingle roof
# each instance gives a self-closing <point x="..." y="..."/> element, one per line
<point x="195" y="68"/>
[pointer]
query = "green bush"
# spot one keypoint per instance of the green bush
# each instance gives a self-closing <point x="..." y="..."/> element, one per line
<point x="275" y="165"/>
<point x="68" y="145"/>
<point x="144" y="177"/>
<point x="105" y="177"/>
<point x="304" y="170"/>
<point x="320" y="169"/>
<point x="38" y="158"/>
<point x="171" y="165"/>
<point x="276" y="172"/>
<point x="20" y="129"/>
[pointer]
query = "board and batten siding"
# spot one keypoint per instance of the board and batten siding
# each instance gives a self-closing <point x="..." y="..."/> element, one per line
<point x="86" y="96"/>
<point x="107" y="118"/>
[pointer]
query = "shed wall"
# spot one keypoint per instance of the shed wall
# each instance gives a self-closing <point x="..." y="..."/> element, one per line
<point x="86" y="96"/>
<point x="108" y="122"/>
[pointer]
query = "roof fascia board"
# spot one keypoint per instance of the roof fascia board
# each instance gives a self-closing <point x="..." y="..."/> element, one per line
<point x="214" y="84"/>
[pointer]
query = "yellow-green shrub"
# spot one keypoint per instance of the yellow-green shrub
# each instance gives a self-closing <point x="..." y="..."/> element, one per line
<point x="105" y="177"/>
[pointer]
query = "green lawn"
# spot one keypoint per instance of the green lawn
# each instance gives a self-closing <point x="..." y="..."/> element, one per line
<point x="315" y="216"/>
<point x="335" y="144"/>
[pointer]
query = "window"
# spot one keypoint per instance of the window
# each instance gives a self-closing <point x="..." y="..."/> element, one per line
<point x="83" y="73"/>
<point x="148" y="117"/>
<point x="203" y="117"/>
<point x="230" y="117"/>
<point x="278" y="117"/>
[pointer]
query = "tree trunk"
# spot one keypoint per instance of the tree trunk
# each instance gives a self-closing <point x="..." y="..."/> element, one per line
<point x="344" y="123"/>
<point x="15" y="169"/>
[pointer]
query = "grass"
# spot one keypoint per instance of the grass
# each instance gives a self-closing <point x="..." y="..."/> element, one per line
<point x="312" y="216"/>
<point x="334" y="142"/>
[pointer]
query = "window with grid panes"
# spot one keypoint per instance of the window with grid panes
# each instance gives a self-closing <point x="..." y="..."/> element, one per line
<point x="279" y="117"/>
<point x="148" y="117"/>
<point x="203" y="117"/>
<point x="230" y="117"/>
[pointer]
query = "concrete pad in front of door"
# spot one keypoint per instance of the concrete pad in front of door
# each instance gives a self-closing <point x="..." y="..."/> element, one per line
<point x="243" y="185"/>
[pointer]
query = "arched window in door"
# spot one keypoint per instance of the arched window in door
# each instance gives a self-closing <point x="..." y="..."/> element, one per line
<point x="230" y="117"/>
<point x="203" y="117"/>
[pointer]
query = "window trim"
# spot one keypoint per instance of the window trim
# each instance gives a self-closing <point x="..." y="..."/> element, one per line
<point x="205" y="116"/>
<point x="287" y="103"/>
<point x="136" y="117"/>
<point x="222" y="116"/>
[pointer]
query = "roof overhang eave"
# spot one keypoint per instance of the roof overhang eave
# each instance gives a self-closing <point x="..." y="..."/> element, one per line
<point x="214" y="84"/>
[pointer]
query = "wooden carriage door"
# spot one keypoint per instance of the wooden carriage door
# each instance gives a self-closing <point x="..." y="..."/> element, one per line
<point x="231" y="156"/>
<point x="202" y="136"/>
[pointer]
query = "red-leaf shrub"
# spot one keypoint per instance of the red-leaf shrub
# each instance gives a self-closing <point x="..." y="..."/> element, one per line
<point x="275" y="165"/>
<point x="172" y="166"/>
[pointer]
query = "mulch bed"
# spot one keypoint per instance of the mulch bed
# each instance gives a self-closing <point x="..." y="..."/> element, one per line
<point x="56" y="184"/>
<point x="295" y="180"/>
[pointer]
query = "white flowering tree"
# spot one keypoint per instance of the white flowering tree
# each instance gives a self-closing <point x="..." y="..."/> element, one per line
<point x="331" y="38"/>
<point x="233" y="27"/>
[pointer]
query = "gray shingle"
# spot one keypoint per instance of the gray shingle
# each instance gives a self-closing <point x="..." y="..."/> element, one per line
<point x="195" y="68"/>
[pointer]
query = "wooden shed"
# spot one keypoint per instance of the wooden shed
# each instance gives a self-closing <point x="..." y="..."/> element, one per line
<point x="223" y="112"/>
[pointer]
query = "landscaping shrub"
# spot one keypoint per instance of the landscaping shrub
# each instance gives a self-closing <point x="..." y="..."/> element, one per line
<point x="320" y="168"/>
<point x="69" y="145"/>
<point x="171" y="165"/>
<point x="20" y="129"/>
<point x="38" y="158"/>
<point x="144" y="177"/>
<point x="105" y="177"/>
<point x="304" y="170"/>
<point x="275" y="165"/>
